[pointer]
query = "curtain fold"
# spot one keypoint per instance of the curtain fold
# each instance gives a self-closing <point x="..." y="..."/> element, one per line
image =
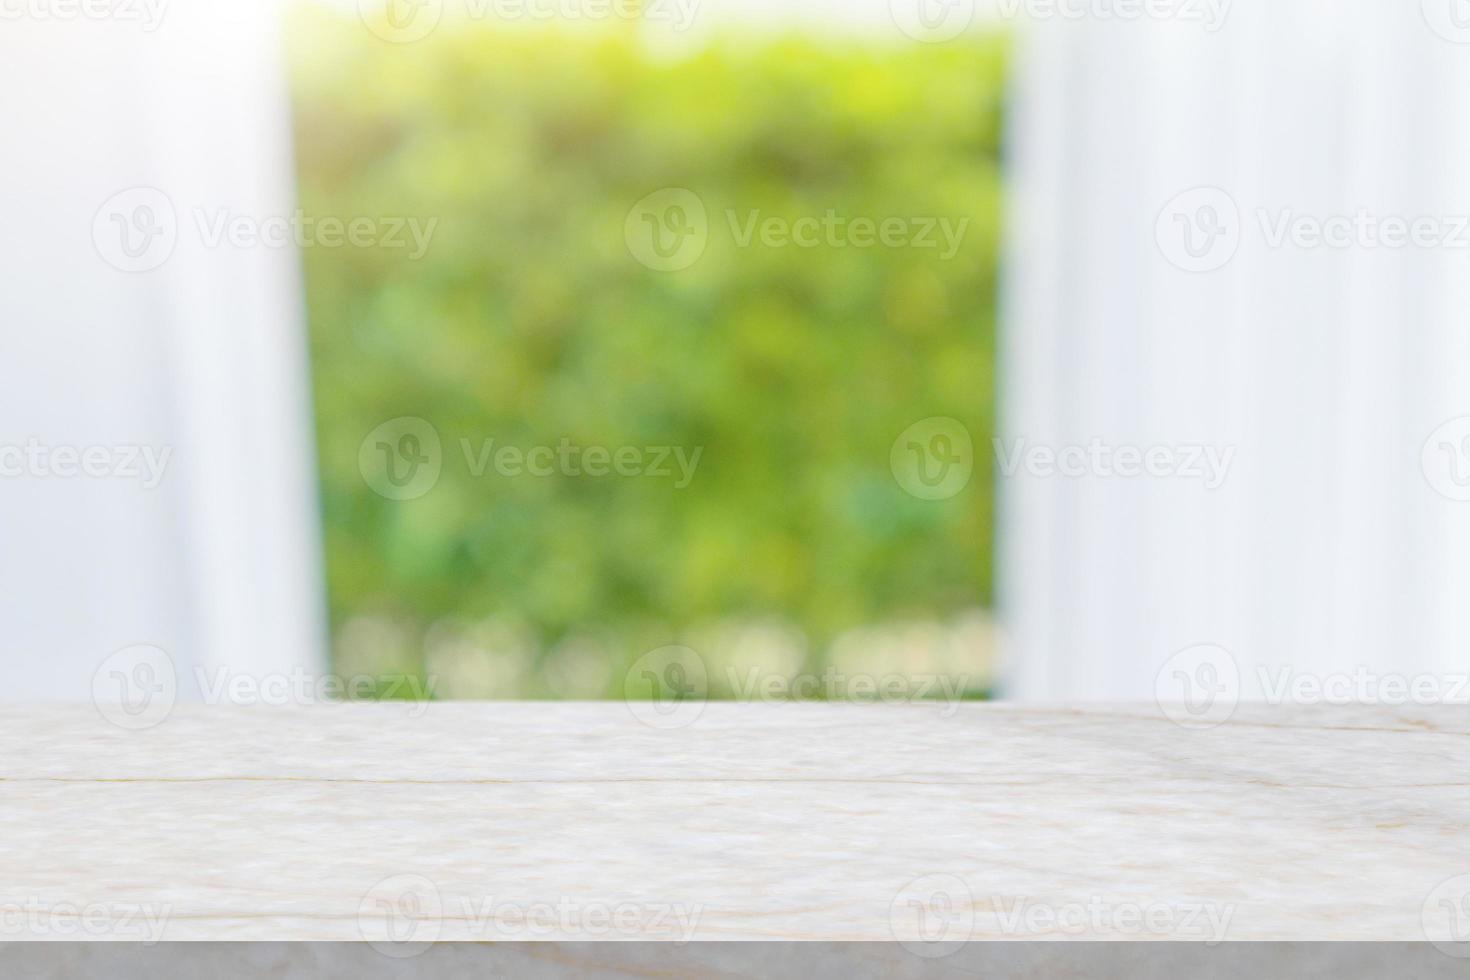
<point x="1335" y="541"/>
<point x="128" y="331"/>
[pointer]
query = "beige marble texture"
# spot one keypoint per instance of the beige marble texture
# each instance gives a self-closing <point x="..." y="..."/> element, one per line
<point x="930" y="824"/>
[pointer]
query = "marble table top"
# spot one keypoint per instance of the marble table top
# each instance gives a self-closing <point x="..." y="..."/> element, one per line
<point x="405" y="825"/>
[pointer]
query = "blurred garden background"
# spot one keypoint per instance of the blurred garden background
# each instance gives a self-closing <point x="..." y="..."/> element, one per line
<point x="528" y="321"/>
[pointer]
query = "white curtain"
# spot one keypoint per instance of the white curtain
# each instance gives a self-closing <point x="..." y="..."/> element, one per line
<point x="1329" y="546"/>
<point x="201" y="357"/>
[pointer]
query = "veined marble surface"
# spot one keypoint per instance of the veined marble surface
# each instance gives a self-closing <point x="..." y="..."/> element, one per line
<point x="931" y="824"/>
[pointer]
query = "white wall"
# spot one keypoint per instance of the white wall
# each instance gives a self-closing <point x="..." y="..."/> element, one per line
<point x="203" y="355"/>
<point x="1327" y="369"/>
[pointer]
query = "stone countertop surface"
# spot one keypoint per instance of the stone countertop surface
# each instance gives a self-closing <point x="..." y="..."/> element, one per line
<point x="405" y="824"/>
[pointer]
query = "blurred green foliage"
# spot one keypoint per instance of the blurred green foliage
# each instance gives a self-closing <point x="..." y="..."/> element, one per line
<point x="528" y="321"/>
